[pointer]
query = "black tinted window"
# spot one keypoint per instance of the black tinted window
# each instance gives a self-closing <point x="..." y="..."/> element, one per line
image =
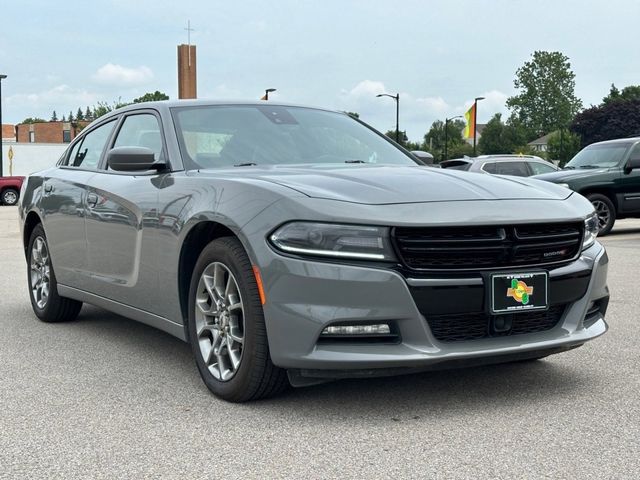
<point x="519" y="169"/>
<point x="87" y="152"/>
<point x="489" y="167"/>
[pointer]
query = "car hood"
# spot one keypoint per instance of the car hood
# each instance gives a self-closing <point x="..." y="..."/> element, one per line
<point x="566" y="175"/>
<point x="380" y="185"/>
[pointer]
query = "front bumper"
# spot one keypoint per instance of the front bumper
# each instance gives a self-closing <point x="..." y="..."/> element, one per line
<point x="303" y="297"/>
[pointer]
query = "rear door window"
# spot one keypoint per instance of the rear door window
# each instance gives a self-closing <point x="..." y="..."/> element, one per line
<point x="489" y="167"/>
<point x="518" y="169"/>
<point x="539" y="167"/>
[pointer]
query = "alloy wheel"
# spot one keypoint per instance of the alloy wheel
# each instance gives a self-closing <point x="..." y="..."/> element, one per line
<point x="10" y="197"/>
<point x="603" y="212"/>
<point x="219" y="320"/>
<point x="40" y="268"/>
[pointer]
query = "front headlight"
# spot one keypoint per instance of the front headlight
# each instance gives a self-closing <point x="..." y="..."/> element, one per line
<point x="357" y="242"/>
<point x="591" y="227"/>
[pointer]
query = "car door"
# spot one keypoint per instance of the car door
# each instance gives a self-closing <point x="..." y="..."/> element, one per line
<point x="63" y="205"/>
<point x="628" y="186"/>
<point x="121" y="221"/>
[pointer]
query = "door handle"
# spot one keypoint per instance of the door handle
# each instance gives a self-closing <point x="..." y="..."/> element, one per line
<point x="92" y="199"/>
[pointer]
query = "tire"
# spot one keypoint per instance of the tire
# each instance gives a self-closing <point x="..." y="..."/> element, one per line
<point x="43" y="288"/>
<point x="605" y="210"/>
<point x="9" y="196"/>
<point x="226" y="326"/>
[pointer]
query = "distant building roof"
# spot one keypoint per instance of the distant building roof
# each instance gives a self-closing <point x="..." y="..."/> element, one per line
<point x="544" y="140"/>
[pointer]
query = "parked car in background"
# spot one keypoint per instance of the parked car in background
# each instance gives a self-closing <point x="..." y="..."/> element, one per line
<point x="297" y="245"/>
<point x="517" y="165"/>
<point x="10" y="190"/>
<point x="608" y="174"/>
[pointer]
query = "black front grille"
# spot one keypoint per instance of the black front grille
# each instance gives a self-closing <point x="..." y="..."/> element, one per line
<point x="474" y="326"/>
<point x="486" y="247"/>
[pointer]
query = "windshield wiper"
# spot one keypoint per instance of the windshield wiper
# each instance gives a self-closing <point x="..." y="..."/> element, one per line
<point x="568" y="167"/>
<point x="354" y="161"/>
<point x="589" y="166"/>
<point x="248" y="164"/>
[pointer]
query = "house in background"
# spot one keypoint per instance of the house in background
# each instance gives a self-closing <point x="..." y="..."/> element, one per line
<point x="540" y="144"/>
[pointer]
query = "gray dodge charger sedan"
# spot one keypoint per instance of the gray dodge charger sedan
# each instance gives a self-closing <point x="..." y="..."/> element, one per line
<point x="294" y="245"/>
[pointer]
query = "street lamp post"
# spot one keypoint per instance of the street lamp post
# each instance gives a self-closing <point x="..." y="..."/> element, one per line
<point x="2" y="77"/>
<point x="446" y="134"/>
<point x="267" y="92"/>
<point x="475" y="118"/>
<point x="396" y="97"/>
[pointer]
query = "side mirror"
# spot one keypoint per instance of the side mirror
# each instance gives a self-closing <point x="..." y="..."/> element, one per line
<point x="424" y="157"/>
<point x="133" y="159"/>
<point x="632" y="164"/>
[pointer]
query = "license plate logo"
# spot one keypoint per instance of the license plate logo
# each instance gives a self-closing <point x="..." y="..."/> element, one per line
<point x="520" y="291"/>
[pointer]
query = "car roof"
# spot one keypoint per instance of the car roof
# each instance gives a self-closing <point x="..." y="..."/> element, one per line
<point x="168" y="104"/>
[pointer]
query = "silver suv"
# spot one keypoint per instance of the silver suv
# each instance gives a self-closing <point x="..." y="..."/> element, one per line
<point x="517" y="165"/>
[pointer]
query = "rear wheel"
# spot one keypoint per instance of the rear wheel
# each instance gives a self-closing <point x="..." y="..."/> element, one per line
<point x="43" y="288"/>
<point x="605" y="210"/>
<point x="9" y="196"/>
<point x="226" y="326"/>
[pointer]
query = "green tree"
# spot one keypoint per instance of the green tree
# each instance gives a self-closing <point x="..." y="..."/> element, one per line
<point x="498" y="137"/>
<point x="562" y="145"/>
<point x="402" y="137"/>
<point x="79" y="115"/>
<point x="54" y="116"/>
<point x="33" y="120"/>
<point x="88" y="116"/>
<point x="613" y="119"/>
<point x="546" y="100"/>
<point x="71" y="118"/>
<point x="151" y="97"/>
<point x="632" y="92"/>
<point x="434" y="139"/>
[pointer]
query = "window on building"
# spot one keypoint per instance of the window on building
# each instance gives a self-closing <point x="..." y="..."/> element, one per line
<point x="32" y="136"/>
<point x="66" y="136"/>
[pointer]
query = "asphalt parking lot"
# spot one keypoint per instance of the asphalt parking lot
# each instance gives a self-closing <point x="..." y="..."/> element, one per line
<point x="105" y="397"/>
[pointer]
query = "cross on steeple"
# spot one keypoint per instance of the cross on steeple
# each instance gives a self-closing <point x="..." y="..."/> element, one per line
<point x="189" y="30"/>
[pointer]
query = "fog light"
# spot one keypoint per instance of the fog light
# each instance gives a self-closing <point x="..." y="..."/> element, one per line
<point x="378" y="329"/>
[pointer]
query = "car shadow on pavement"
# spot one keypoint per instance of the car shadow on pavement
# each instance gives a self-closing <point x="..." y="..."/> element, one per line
<point x="393" y="399"/>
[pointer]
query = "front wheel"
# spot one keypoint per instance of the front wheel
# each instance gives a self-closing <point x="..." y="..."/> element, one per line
<point x="43" y="288"/>
<point x="226" y="326"/>
<point x="605" y="210"/>
<point x="9" y="196"/>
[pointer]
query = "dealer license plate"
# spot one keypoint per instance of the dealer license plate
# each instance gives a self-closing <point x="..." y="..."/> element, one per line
<point x="515" y="292"/>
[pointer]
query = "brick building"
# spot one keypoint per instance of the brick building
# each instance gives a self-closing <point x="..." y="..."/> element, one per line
<point x="8" y="132"/>
<point x="48" y="132"/>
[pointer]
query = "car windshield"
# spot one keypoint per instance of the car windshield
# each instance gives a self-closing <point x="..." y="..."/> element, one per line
<point x="599" y="156"/>
<point x="243" y="135"/>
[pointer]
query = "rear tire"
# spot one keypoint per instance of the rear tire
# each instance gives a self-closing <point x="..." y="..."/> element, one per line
<point x="226" y="326"/>
<point x="605" y="210"/>
<point x="43" y="288"/>
<point x="9" y="196"/>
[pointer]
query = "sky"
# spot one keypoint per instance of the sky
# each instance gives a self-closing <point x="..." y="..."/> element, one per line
<point x="437" y="54"/>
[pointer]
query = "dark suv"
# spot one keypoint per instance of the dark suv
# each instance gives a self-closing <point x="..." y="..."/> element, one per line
<point x="608" y="174"/>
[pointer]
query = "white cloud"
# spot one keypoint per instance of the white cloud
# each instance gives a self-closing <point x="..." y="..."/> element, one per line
<point x="117" y="75"/>
<point x="416" y="113"/>
<point x="58" y="98"/>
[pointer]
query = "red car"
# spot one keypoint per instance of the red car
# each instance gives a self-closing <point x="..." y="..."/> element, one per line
<point x="10" y="190"/>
